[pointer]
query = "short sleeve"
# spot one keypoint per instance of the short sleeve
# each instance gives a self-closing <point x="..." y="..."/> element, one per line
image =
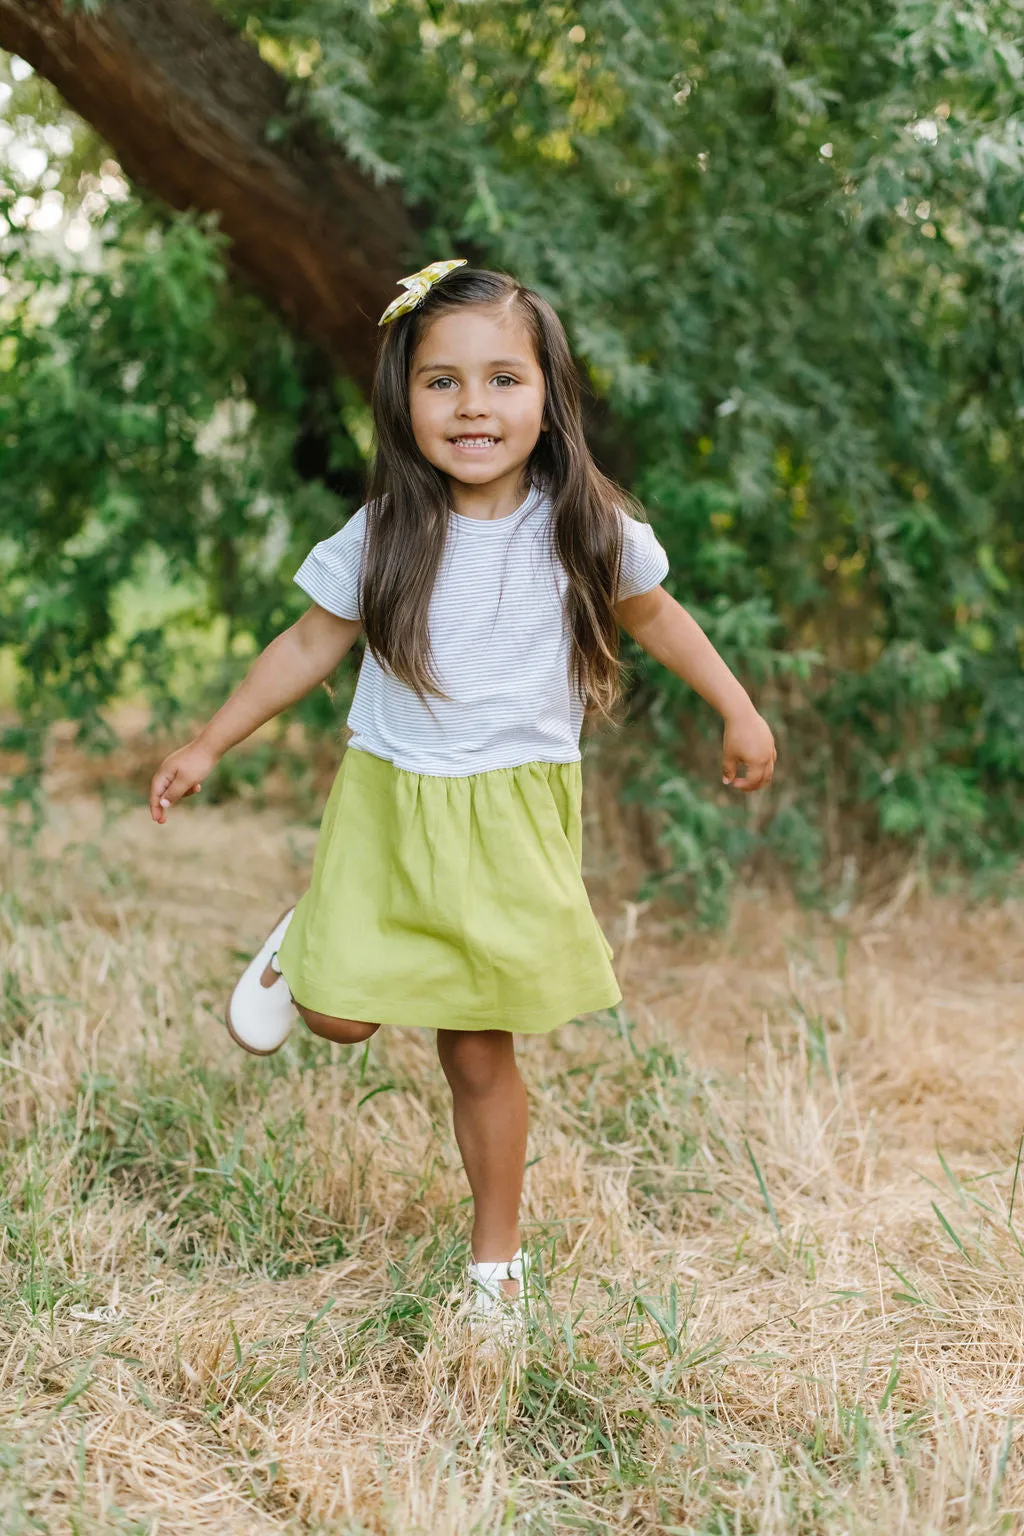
<point x="644" y="562"/>
<point x="330" y="572"/>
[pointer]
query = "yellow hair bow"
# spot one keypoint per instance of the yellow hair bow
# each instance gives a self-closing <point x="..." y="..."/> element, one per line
<point x="419" y="285"/>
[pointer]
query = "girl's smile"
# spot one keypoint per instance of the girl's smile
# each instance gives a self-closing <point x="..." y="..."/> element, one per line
<point x="475" y="443"/>
<point x="476" y="400"/>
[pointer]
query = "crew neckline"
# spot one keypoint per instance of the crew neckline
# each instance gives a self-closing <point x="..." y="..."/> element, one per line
<point x="529" y="503"/>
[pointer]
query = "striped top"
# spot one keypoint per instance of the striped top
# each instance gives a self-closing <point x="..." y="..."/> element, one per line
<point x="500" y="640"/>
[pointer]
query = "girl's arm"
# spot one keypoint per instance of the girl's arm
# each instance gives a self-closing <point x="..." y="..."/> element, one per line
<point x="289" y="668"/>
<point x="668" y="633"/>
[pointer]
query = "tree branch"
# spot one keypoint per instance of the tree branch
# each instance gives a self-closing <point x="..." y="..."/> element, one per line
<point x="185" y="104"/>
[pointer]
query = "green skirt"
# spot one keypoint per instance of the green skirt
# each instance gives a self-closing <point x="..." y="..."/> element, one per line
<point x="450" y="903"/>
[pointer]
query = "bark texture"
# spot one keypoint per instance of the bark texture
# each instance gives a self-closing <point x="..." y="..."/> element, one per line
<point x="191" y="112"/>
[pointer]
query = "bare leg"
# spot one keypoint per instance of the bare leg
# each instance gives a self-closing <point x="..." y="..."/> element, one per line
<point x="490" y="1117"/>
<point x="341" y="1031"/>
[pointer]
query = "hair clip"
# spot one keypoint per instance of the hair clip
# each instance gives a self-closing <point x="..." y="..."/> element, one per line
<point x="419" y="285"/>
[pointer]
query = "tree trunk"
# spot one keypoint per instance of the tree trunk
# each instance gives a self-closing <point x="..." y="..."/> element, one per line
<point x="191" y="111"/>
<point x="194" y="114"/>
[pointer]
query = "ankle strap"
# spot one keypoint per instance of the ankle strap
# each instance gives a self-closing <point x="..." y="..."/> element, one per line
<point x="491" y="1271"/>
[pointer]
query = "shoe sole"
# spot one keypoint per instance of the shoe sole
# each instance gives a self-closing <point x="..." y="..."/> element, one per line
<point x="227" y="1011"/>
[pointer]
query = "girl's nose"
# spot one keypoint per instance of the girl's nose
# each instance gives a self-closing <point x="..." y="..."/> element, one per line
<point x="473" y="403"/>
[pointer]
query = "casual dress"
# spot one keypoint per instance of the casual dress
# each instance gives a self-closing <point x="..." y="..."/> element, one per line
<point x="446" y="889"/>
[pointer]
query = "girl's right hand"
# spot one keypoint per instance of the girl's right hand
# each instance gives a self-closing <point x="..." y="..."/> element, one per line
<point x="179" y="775"/>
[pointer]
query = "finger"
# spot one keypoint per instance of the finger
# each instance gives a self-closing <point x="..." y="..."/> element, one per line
<point x="747" y="781"/>
<point x="193" y="791"/>
<point x="157" y="793"/>
<point x="742" y="774"/>
<point x="729" y="766"/>
<point x="756" y="778"/>
<point x="174" y="790"/>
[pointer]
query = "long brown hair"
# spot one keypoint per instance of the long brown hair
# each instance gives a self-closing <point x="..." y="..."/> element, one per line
<point x="408" y="501"/>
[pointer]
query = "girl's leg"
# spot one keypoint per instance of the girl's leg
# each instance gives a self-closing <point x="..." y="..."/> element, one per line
<point x="341" y="1031"/>
<point x="489" y="1111"/>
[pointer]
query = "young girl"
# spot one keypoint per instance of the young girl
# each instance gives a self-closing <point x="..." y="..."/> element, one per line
<point x="490" y="570"/>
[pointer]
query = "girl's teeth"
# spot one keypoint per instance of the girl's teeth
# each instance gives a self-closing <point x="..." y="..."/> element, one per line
<point x="475" y="442"/>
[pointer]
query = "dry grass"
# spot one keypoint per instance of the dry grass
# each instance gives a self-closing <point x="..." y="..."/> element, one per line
<point x="772" y="1202"/>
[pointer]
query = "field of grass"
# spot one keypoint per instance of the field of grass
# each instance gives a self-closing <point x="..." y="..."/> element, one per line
<point x="774" y="1200"/>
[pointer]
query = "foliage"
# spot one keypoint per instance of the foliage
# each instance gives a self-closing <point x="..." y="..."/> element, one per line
<point x="786" y="242"/>
<point x="126" y="408"/>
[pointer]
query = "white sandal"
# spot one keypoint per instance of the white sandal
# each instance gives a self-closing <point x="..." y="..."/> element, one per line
<point x="259" y="1018"/>
<point x="488" y="1302"/>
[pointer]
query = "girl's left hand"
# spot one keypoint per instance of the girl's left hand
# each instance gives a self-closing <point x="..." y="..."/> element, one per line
<point x="748" y="739"/>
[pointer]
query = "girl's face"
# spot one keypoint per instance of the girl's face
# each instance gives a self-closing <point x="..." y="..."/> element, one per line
<point x="476" y="394"/>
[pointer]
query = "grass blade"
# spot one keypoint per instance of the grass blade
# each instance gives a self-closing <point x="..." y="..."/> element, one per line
<point x="766" y="1197"/>
<point x="1016" y="1176"/>
<point x="951" y="1233"/>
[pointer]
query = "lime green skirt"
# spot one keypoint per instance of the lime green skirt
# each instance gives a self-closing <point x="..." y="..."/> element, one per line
<point x="450" y="903"/>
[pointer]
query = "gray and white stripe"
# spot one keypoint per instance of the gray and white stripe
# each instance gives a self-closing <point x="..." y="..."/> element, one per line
<point x="500" y="640"/>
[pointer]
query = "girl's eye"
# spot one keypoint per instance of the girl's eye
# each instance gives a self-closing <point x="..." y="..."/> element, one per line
<point x="503" y="379"/>
<point x="440" y="383"/>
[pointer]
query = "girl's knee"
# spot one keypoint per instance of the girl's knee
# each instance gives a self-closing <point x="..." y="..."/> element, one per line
<point x="476" y="1063"/>
<point x="341" y="1031"/>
